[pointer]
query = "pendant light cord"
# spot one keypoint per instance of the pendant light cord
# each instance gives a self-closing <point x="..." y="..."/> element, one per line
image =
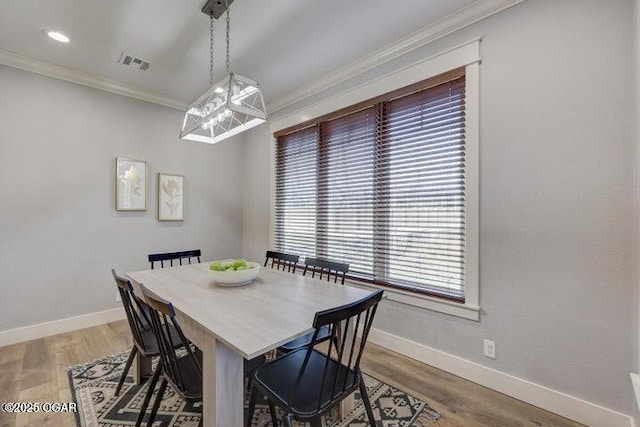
<point x="211" y="50"/>
<point x="226" y="5"/>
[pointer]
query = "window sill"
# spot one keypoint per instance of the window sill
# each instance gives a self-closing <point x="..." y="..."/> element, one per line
<point x="465" y="311"/>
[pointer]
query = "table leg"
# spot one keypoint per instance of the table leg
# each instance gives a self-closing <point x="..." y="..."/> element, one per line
<point x="223" y="398"/>
<point x="141" y="369"/>
<point x="348" y="403"/>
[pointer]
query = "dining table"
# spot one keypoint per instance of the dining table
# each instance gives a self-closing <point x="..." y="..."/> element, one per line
<point x="230" y="324"/>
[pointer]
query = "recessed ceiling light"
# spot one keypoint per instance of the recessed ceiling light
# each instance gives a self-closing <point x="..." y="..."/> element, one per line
<point x="59" y="37"/>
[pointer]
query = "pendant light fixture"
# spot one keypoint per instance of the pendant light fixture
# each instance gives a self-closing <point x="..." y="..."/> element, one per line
<point x="228" y="107"/>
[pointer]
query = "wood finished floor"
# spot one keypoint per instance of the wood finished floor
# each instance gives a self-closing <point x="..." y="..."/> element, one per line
<point x="34" y="372"/>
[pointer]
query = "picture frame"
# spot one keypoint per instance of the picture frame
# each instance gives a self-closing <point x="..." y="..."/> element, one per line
<point x="170" y="197"/>
<point x="131" y="184"/>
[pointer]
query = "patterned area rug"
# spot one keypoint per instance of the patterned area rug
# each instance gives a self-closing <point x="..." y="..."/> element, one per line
<point x="93" y="385"/>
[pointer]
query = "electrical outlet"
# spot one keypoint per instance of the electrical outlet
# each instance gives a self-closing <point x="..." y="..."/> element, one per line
<point x="490" y="349"/>
<point x="118" y="298"/>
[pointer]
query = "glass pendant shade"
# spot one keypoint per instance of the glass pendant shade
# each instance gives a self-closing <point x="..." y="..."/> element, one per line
<point x="229" y="107"/>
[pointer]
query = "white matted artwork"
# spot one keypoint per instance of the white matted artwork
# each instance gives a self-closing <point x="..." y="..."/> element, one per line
<point x="131" y="184"/>
<point x="170" y="197"/>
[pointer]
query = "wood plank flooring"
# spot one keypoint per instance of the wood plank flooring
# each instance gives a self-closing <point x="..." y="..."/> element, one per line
<point x="34" y="371"/>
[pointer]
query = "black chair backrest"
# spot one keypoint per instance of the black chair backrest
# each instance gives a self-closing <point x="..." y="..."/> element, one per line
<point x="134" y="308"/>
<point x="174" y="256"/>
<point x="287" y="261"/>
<point x="321" y="266"/>
<point x="344" y="379"/>
<point x="163" y="317"/>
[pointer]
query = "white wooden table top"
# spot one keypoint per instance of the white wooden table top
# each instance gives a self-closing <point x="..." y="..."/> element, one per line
<point x="253" y="319"/>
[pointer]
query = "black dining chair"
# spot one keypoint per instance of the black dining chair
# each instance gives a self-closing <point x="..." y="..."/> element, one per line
<point x="183" y="372"/>
<point x="137" y="313"/>
<point x="174" y="256"/>
<point x="287" y="261"/>
<point x="307" y="383"/>
<point x="321" y="267"/>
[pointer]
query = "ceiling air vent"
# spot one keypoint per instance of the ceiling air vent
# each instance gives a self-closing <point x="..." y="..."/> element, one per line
<point x="132" y="62"/>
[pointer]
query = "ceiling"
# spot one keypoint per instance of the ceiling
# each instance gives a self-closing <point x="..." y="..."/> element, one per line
<point x="284" y="44"/>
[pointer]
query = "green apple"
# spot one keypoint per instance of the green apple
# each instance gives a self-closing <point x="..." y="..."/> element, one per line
<point x="239" y="263"/>
<point x="216" y="266"/>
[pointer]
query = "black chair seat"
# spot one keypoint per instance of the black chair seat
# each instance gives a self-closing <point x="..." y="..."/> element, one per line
<point x="151" y="343"/>
<point x="277" y="379"/>
<point x="191" y="378"/>
<point x="324" y="334"/>
<point x="306" y="383"/>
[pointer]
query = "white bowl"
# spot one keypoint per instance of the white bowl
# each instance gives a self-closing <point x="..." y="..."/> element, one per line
<point x="235" y="278"/>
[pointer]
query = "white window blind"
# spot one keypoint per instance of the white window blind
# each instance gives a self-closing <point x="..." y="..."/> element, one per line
<point x="381" y="186"/>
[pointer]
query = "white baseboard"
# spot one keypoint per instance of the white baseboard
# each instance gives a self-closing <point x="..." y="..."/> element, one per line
<point x="543" y="397"/>
<point x="27" y="333"/>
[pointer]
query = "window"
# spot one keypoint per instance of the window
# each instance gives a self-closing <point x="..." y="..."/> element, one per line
<point x="381" y="186"/>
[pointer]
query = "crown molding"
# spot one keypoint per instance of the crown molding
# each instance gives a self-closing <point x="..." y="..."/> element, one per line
<point x="86" y="79"/>
<point x="457" y="20"/>
<point x="464" y="17"/>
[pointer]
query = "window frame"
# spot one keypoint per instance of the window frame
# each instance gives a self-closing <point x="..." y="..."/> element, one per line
<point x="465" y="56"/>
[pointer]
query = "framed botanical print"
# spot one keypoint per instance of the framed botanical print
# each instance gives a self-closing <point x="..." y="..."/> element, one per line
<point x="131" y="184"/>
<point x="170" y="197"/>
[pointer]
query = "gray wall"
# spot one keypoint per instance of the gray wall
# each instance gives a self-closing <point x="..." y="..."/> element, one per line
<point x="59" y="232"/>
<point x="556" y="202"/>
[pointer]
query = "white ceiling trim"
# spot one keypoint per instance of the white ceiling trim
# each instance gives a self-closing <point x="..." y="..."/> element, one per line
<point x="464" y="17"/>
<point x="456" y="57"/>
<point x="86" y="79"/>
